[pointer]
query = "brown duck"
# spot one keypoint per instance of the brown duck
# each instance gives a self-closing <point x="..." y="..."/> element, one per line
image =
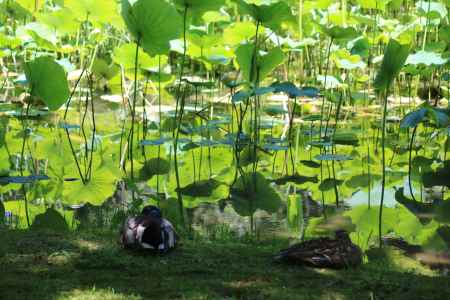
<point x="335" y="253"/>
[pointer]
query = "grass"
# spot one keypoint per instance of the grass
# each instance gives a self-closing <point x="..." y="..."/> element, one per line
<point x="87" y="265"/>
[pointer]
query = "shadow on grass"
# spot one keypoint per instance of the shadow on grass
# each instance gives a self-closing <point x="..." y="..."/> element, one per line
<point x="92" y="266"/>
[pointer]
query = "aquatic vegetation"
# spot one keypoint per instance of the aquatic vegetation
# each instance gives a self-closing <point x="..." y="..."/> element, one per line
<point x="238" y="106"/>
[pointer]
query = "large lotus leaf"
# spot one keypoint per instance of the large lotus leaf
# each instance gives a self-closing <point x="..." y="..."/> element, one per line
<point x="50" y="220"/>
<point x="153" y="23"/>
<point x="96" y="191"/>
<point x="413" y="118"/>
<point x="341" y="33"/>
<point x="271" y="16"/>
<point x="61" y="20"/>
<point x="265" y="63"/>
<point x="238" y="32"/>
<point x="2" y="213"/>
<point x="426" y="58"/>
<point x="203" y="40"/>
<point x="199" y="7"/>
<point x="366" y="221"/>
<point x="288" y="88"/>
<point x="97" y="10"/>
<point x="42" y="35"/>
<point x="361" y="47"/>
<point x="125" y="55"/>
<point x="440" y="117"/>
<point x="48" y="81"/>
<point x="103" y="70"/>
<point x="247" y="196"/>
<point x="393" y="61"/>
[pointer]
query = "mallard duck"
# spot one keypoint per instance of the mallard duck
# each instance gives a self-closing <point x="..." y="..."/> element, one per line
<point x="335" y="253"/>
<point x="148" y="231"/>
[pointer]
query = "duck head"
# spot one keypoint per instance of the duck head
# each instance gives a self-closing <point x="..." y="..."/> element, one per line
<point x="152" y="211"/>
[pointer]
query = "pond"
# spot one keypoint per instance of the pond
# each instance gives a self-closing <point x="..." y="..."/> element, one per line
<point x="300" y="191"/>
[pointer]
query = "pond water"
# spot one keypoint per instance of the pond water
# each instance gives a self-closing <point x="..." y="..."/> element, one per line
<point x="303" y="189"/>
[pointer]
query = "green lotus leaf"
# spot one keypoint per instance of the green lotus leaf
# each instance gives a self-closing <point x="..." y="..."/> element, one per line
<point x="47" y="80"/>
<point x="266" y="64"/>
<point x="103" y="11"/>
<point x="393" y="61"/>
<point x="153" y="23"/>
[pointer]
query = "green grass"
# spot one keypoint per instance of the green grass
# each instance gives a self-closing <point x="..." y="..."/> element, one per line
<point x="91" y="266"/>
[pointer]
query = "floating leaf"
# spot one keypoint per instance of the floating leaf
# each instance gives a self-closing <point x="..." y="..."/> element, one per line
<point x="96" y="191"/>
<point x="157" y="142"/>
<point x="22" y="179"/>
<point x="331" y="157"/>
<point x="275" y="110"/>
<point x="329" y="184"/>
<point x="310" y="164"/>
<point x="203" y="188"/>
<point x="69" y="126"/>
<point x="297" y="179"/>
<point x="154" y="166"/>
<point x="190" y="146"/>
<point x="275" y="147"/>
<point x="312" y="118"/>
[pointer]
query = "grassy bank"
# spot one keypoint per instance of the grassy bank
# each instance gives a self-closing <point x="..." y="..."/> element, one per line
<point x="91" y="266"/>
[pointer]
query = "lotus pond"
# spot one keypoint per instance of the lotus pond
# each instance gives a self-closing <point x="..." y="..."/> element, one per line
<point x="239" y="118"/>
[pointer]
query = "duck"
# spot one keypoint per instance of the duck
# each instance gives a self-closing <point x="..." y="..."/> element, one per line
<point x="149" y="231"/>
<point x="324" y="252"/>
